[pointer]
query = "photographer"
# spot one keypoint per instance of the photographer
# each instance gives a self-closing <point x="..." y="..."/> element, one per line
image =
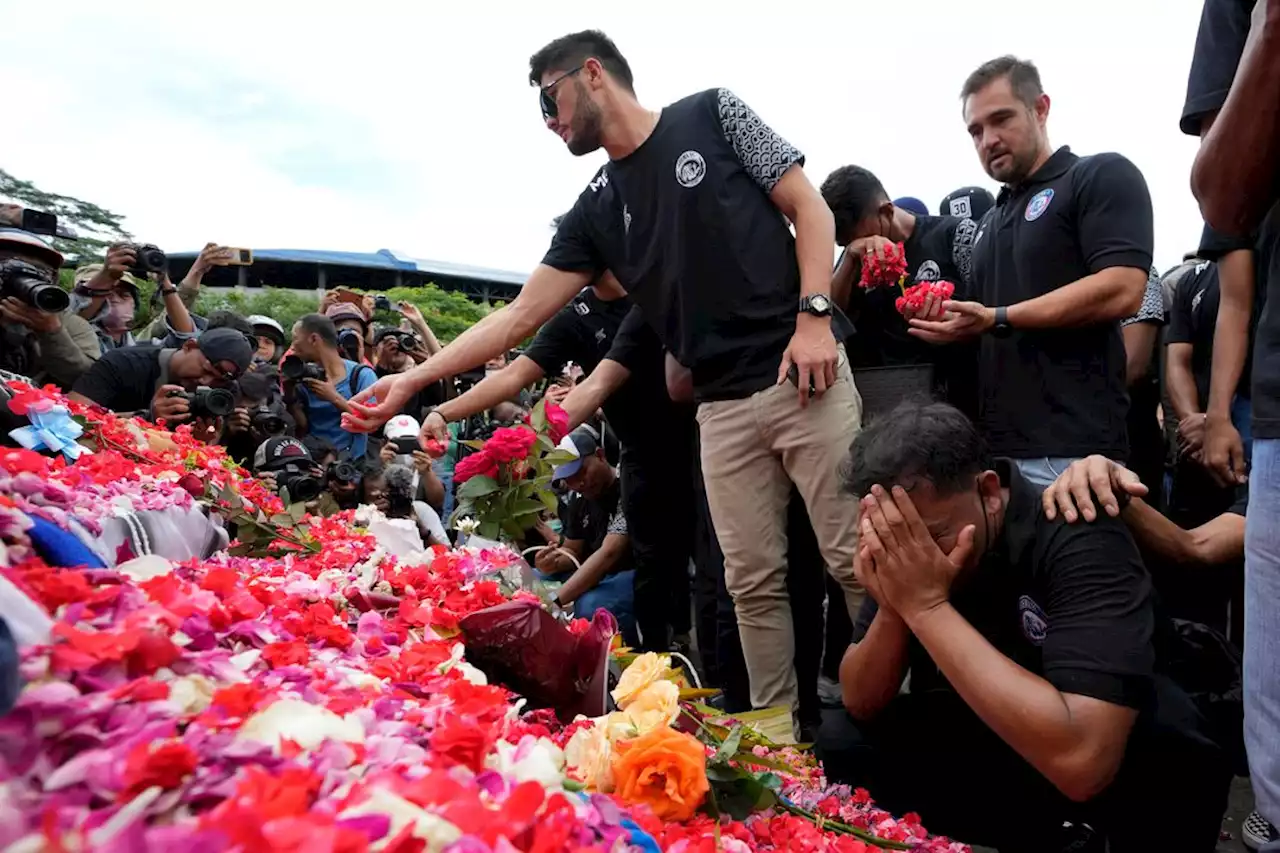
<point x="174" y="384"/>
<point x="400" y="489"/>
<point x="41" y="339"/>
<point x="352" y="324"/>
<point x="270" y="337"/>
<point x="285" y="465"/>
<point x="107" y="296"/>
<point x="318" y="381"/>
<point x="395" y="351"/>
<point x="401" y="448"/>
<point x="260" y="414"/>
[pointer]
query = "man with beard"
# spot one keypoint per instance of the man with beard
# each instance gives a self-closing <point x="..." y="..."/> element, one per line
<point x="690" y="213"/>
<point x="1061" y="260"/>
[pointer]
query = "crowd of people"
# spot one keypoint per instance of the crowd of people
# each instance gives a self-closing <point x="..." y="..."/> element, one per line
<point x="983" y="487"/>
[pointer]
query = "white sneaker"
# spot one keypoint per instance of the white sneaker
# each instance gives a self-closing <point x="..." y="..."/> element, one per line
<point x="1255" y="831"/>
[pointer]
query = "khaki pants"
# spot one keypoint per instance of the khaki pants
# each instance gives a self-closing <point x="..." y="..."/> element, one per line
<point x="752" y="451"/>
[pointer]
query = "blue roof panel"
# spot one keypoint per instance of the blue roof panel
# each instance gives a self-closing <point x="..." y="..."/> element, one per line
<point x="382" y="259"/>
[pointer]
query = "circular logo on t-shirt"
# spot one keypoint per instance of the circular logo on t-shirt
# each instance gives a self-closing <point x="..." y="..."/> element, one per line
<point x="929" y="271"/>
<point x="1038" y="205"/>
<point x="690" y="169"/>
<point x="1034" y="624"/>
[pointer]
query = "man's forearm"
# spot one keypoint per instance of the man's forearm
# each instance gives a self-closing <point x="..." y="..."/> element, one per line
<point x="871" y="672"/>
<point x="1231" y="330"/>
<point x="1183" y="394"/>
<point x="595" y="568"/>
<point x="815" y="235"/>
<point x="1023" y="709"/>
<point x="842" y="278"/>
<point x="1235" y="172"/>
<point x="590" y="394"/>
<point x="179" y="317"/>
<point x="493" y="389"/>
<point x="1139" y="346"/>
<point x="1107" y="296"/>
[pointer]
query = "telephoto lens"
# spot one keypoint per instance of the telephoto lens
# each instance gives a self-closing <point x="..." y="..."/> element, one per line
<point x="343" y="472"/>
<point x="300" y="483"/>
<point x="33" y="285"/>
<point x="293" y="369"/>
<point x="267" y="421"/>
<point x="381" y="303"/>
<point x="209" y="402"/>
<point x="349" y="343"/>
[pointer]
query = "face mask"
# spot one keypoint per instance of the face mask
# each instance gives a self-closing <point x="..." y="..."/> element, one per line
<point x="117" y="318"/>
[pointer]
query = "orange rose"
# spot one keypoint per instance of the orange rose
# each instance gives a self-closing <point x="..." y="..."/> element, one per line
<point x="665" y="770"/>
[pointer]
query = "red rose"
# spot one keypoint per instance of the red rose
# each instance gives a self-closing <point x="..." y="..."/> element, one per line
<point x="462" y="741"/>
<point x="510" y="443"/>
<point x="557" y="422"/>
<point x="192" y="484"/>
<point x="479" y="464"/>
<point x="293" y="652"/>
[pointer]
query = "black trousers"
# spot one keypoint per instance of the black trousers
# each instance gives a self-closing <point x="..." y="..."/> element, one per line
<point x="929" y="753"/>
<point x="658" y="499"/>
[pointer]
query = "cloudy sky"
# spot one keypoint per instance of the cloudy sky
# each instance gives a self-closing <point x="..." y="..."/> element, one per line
<point x="360" y="126"/>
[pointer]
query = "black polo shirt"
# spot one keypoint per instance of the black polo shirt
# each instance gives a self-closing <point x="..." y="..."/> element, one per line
<point x="1058" y="392"/>
<point x="686" y="225"/>
<point x="586" y="331"/>
<point x="123" y="380"/>
<point x="590" y="521"/>
<point x="1071" y="603"/>
<point x="1224" y="27"/>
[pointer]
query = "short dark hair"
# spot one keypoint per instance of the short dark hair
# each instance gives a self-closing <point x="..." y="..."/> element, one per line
<point x="224" y="319"/>
<point x="568" y="52"/>
<point x="852" y="193"/>
<point x="1024" y="78"/>
<point x="916" y="441"/>
<point x="318" y="447"/>
<point x="318" y="324"/>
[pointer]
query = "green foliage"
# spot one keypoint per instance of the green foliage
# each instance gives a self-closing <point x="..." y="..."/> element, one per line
<point x="448" y="314"/>
<point x="95" y="226"/>
<point x="280" y="304"/>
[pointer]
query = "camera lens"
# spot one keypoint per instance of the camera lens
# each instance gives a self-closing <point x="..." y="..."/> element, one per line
<point x="293" y="368"/>
<point x="212" y="403"/>
<point x="151" y="259"/>
<point x="300" y="485"/>
<point x="33" y="285"/>
<point x="269" y="422"/>
<point x="382" y="303"/>
<point x="344" y="472"/>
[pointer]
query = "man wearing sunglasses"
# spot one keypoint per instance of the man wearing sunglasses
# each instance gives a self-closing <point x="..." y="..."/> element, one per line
<point x="691" y="214"/>
<point x="150" y="381"/>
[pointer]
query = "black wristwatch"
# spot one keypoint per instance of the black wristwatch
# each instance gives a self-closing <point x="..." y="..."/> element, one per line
<point x="1001" y="327"/>
<point x="819" y="305"/>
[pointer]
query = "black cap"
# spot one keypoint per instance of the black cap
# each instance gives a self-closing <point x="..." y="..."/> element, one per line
<point x="226" y="345"/>
<point x="968" y="202"/>
<point x="280" y="450"/>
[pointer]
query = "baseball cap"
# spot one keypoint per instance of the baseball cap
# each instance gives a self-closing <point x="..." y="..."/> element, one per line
<point x="912" y="204"/>
<point x="279" y="450"/>
<point x="582" y="444"/>
<point x="969" y="202"/>
<point x="402" y="426"/>
<point x="257" y="320"/>
<point x="33" y="243"/>
<point x="345" y="311"/>
<point x="88" y="271"/>
<point x="227" y="345"/>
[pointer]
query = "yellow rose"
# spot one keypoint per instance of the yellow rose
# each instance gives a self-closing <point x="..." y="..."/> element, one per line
<point x="589" y="757"/>
<point x="657" y="705"/>
<point x="644" y="670"/>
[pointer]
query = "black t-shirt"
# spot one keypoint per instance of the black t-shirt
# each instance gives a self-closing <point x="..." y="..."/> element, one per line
<point x="1059" y="392"/>
<point x="686" y="225"/>
<point x="1224" y="27"/>
<point x="938" y="249"/>
<point x="592" y="520"/>
<point x="123" y="380"/>
<point x="586" y="331"/>
<point x="1069" y="602"/>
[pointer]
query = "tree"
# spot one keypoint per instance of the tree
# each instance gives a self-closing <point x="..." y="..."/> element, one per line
<point x="95" y="227"/>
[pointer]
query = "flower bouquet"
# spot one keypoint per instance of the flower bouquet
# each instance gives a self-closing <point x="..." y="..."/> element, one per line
<point x="889" y="268"/>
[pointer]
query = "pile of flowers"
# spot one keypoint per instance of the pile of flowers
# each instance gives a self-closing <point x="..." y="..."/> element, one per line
<point x="316" y="696"/>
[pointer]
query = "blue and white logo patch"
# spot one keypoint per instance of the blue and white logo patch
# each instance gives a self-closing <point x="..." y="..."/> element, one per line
<point x="1038" y="205"/>
<point x="1034" y="624"/>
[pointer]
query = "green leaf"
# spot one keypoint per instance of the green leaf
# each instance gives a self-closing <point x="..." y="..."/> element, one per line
<point x="478" y="486"/>
<point x="512" y="529"/>
<point x="719" y="772"/>
<point x="556" y="458"/>
<point x="747" y="757"/>
<point x="526" y="507"/>
<point x="297" y="511"/>
<point x="549" y="500"/>
<point x="729" y="748"/>
<point x="573" y="785"/>
<point x="230" y="495"/>
<point x="488" y="530"/>
<point x="538" y="417"/>
<point x="742" y="796"/>
<point x="282" y="519"/>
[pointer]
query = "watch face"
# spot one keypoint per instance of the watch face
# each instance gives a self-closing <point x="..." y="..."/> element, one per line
<point x="818" y="302"/>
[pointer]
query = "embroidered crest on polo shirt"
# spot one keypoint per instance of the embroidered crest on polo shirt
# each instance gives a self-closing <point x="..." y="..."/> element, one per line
<point x="690" y="169"/>
<point x="929" y="271"/>
<point x="1035" y="626"/>
<point x="1038" y="205"/>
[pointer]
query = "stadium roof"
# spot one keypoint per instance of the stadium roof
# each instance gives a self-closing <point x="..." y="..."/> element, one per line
<point x="381" y="259"/>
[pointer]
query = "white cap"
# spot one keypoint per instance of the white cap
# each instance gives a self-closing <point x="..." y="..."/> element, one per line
<point x="263" y="320"/>
<point x="40" y="246"/>
<point x="402" y="426"/>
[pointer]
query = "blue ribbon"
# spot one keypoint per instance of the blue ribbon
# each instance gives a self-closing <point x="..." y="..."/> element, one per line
<point x="52" y="430"/>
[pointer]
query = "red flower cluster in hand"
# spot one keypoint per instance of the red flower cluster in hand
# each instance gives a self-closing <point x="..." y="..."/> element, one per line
<point x="479" y="464"/>
<point x="509" y="444"/>
<point x="165" y="766"/>
<point x="913" y="297"/>
<point x="887" y="267"/>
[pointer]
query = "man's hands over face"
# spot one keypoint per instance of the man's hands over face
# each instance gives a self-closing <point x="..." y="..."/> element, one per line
<point x="898" y="561"/>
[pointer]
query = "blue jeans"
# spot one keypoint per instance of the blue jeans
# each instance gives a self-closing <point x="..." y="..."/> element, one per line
<point x="446" y="479"/>
<point x="615" y="593"/>
<point x="1242" y="420"/>
<point x="1262" y="629"/>
<point x="1040" y="471"/>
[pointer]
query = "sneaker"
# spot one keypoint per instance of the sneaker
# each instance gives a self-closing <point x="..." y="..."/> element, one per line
<point x="1255" y="831"/>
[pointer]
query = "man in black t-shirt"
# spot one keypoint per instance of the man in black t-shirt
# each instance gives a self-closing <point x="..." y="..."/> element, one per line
<point x="937" y="248"/>
<point x="691" y="214"/>
<point x="1057" y="264"/>
<point x="1035" y="685"/>
<point x="1235" y="78"/>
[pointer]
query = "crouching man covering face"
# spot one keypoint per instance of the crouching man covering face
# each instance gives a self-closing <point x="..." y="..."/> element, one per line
<point x="1036" y="697"/>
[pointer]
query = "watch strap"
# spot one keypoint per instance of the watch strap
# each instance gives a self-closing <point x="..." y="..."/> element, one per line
<point x="1002" y="318"/>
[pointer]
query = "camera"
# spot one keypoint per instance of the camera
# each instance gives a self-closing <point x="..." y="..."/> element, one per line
<point x="33" y="285"/>
<point x="349" y="343"/>
<point x="381" y="303"/>
<point x="148" y="259"/>
<point x="207" y="402"/>
<point x="343" y="472"/>
<point x="294" y="369"/>
<point x="268" y="421"/>
<point x="406" y="341"/>
<point x="470" y="377"/>
<point x="300" y="482"/>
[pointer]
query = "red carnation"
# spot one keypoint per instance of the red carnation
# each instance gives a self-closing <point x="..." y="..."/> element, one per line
<point x="913" y="297"/>
<point x="479" y="464"/>
<point x="510" y="443"/>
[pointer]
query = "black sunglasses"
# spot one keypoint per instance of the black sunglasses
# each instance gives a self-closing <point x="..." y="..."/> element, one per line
<point x="550" y="109"/>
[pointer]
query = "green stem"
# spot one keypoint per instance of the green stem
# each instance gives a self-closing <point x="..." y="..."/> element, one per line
<point x="715" y="739"/>
<point x="837" y="826"/>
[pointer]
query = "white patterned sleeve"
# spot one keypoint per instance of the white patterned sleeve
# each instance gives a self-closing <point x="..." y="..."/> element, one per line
<point x="1152" y="310"/>
<point x="618" y="523"/>
<point x="962" y="248"/>
<point x="763" y="153"/>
